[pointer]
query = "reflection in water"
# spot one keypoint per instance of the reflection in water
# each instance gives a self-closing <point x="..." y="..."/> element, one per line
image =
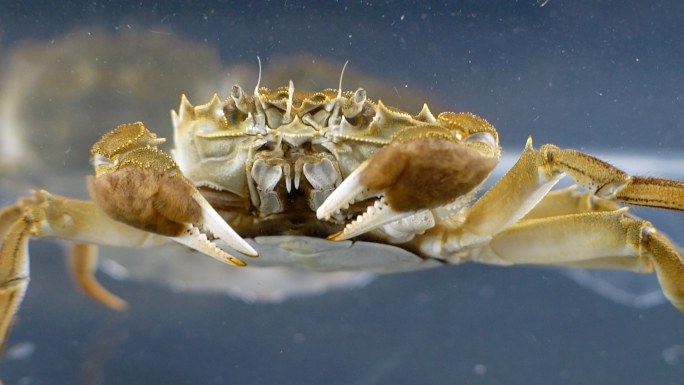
<point x="99" y="348"/>
<point x="639" y="291"/>
<point x="59" y="96"/>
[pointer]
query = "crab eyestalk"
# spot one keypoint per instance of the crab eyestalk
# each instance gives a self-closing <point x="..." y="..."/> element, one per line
<point x="354" y="105"/>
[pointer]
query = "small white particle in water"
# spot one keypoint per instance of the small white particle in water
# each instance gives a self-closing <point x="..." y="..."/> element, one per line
<point x="671" y="355"/>
<point x="298" y="338"/>
<point x="480" y="369"/>
<point x="20" y="351"/>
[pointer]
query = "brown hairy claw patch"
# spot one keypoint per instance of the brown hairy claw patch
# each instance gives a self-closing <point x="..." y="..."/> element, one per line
<point x="146" y="198"/>
<point x="425" y="173"/>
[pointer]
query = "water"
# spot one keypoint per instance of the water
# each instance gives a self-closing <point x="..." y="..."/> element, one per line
<point x="602" y="77"/>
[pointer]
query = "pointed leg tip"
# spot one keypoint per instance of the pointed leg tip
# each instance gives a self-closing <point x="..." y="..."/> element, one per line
<point x="104" y="297"/>
<point x="119" y="305"/>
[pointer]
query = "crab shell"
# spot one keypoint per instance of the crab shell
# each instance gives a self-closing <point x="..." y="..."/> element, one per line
<point x="267" y="162"/>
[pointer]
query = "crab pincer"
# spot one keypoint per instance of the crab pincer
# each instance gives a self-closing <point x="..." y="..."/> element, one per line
<point x="410" y="177"/>
<point x="141" y="186"/>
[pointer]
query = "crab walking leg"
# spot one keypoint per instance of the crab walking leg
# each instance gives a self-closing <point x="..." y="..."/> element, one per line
<point x="510" y="199"/>
<point x="568" y="201"/>
<point x="608" y="239"/>
<point x="54" y="216"/>
<point x="576" y="239"/>
<point x="46" y="215"/>
<point x="608" y="182"/>
<point x="8" y="215"/>
<point x="14" y="269"/>
<point x="83" y="265"/>
<point x="531" y="178"/>
<point x="669" y="266"/>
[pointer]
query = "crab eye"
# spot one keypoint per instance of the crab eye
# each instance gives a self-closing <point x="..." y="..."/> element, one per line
<point x="172" y="172"/>
<point x="99" y="159"/>
<point x="354" y="105"/>
<point x="482" y="137"/>
<point x="236" y="93"/>
<point x="233" y="114"/>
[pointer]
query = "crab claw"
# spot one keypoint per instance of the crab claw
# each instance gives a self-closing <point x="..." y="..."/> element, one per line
<point x="143" y="187"/>
<point x="411" y="177"/>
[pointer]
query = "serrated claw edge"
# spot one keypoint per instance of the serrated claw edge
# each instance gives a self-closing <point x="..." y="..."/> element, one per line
<point x="377" y="215"/>
<point x="196" y="240"/>
<point x="212" y="221"/>
<point x="347" y="192"/>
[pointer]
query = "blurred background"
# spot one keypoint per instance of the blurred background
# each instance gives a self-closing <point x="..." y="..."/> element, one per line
<point x="604" y="77"/>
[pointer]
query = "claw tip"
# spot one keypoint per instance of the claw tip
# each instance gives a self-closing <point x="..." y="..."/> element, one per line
<point x="237" y="262"/>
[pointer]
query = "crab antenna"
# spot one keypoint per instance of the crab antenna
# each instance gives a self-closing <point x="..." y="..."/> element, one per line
<point x="259" y="116"/>
<point x="287" y="118"/>
<point x="335" y="114"/>
<point x="339" y="89"/>
<point x="256" y="89"/>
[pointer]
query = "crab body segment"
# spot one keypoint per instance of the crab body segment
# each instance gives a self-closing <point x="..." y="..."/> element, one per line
<point x="337" y="165"/>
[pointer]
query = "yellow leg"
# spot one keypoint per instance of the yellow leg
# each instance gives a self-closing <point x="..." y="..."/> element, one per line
<point x="84" y="224"/>
<point x="604" y="240"/>
<point x="535" y="173"/>
<point x="513" y="223"/>
<point x="8" y="215"/>
<point x="512" y="197"/>
<point x="596" y="240"/>
<point x="606" y="181"/>
<point x="14" y="271"/>
<point x="83" y="264"/>
<point x="669" y="266"/>
<point x="46" y="215"/>
<point x="569" y="201"/>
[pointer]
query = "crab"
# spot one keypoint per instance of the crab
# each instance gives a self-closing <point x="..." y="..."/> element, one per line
<point x="301" y="167"/>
